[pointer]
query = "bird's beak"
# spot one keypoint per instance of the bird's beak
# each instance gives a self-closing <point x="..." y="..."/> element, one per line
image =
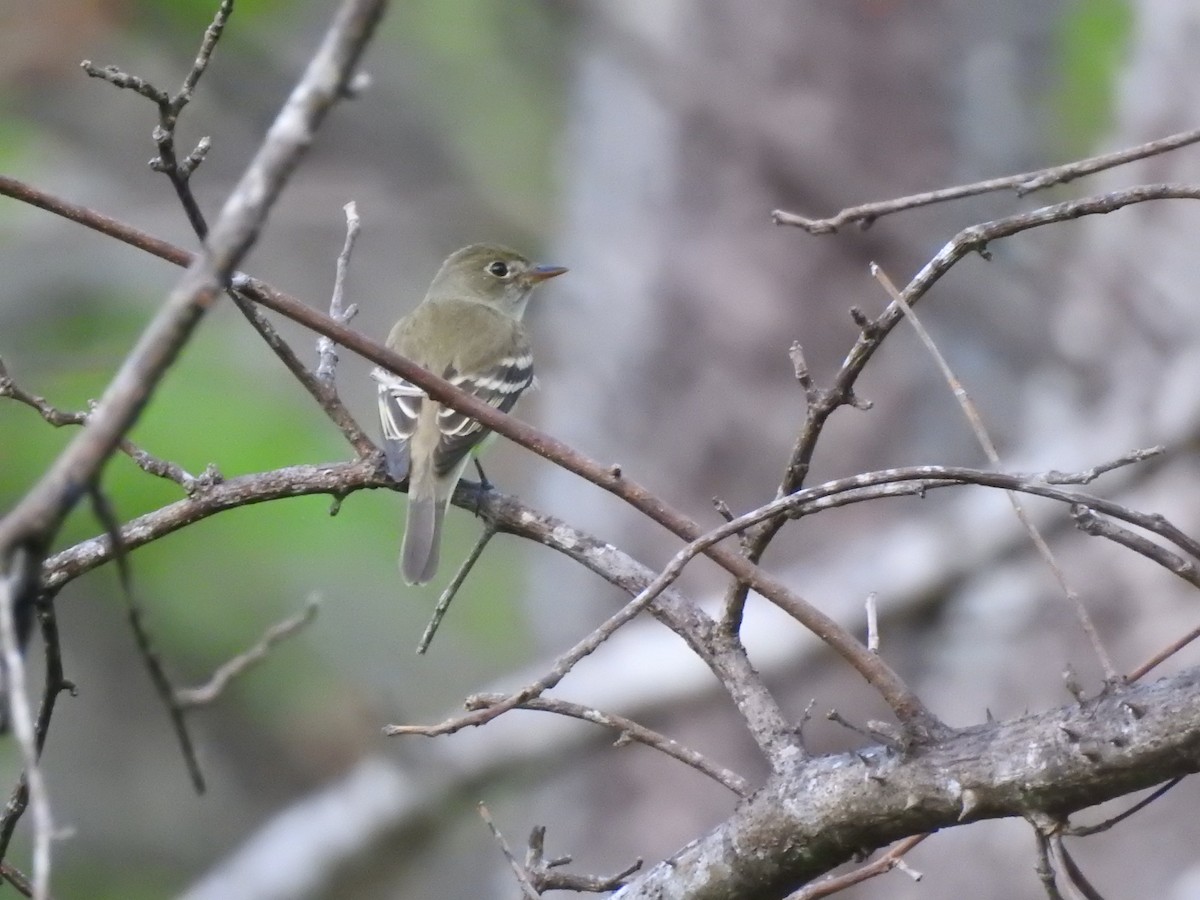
<point x="538" y="274"/>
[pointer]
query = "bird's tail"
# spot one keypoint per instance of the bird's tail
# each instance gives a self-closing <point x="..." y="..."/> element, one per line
<point x="429" y="495"/>
<point x="422" y="527"/>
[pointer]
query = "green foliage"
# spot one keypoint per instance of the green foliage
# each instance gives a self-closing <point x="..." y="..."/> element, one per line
<point x="488" y="78"/>
<point x="1093" y="40"/>
<point x="191" y="17"/>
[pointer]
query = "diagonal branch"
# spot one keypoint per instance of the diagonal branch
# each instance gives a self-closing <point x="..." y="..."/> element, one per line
<point x="1024" y="183"/>
<point x="37" y="516"/>
<point x="630" y="730"/>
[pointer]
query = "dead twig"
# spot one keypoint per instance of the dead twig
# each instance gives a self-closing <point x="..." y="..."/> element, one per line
<point x="989" y="449"/>
<point x="1021" y="184"/>
<point x="202" y="695"/>
<point x="893" y="859"/>
<point x="145" y="645"/>
<point x="326" y="349"/>
<point x="527" y="889"/>
<point x="629" y="730"/>
<point x="545" y="875"/>
<point x="443" y="603"/>
<point x="1086" y="830"/>
<point x="23" y="725"/>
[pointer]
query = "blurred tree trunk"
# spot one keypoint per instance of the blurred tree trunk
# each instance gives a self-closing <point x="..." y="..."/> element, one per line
<point x="691" y="122"/>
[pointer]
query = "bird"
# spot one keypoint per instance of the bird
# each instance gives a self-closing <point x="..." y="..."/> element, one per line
<point x="467" y="330"/>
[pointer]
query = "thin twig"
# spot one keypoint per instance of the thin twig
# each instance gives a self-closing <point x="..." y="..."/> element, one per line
<point x="989" y="449"/>
<point x="1087" y="830"/>
<point x="527" y="888"/>
<point x="1087" y="476"/>
<point x="204" y="694"/>
<point x="885" y="863"/>
<point x="443" y="603"/>
<point x="545" y="875"/>
<point x="1024" y="183"/>
<point x="326" y="349"/>
<point x="17" y="879"/>
<point x="1076" y="880"/>
<point x="872" y="623"/>
<point x="1045" y="866"/>
<point x="169" y="109"/>
<point x="1089" y="523"/>
<point x="145" y="645"/>
<point x="1163" y="655"/>
<point x="23" y="727"/>
<point x="53" y="685"/>
<point x="145" y="461"/>
<point x="629" y="731"/>
<point x="561" y="667"/>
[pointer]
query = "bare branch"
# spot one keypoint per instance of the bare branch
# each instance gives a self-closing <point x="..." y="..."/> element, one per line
<point x="1090" y="523"/>
<point x="1164" y="654"/>
<point x="148" y="463"/>
<point x="1086" y="830"/>
<point x="202" y="695"/>
<point x="545" y="875"/>
<point x="527" y="889"/>
<point x="54" y="684"/>
<point x="326" y="350"/>
<point x="989" y="449"/>
<point x="17" y="879"/>
<point x="483" y="713"/>
<point x="1080" y="886"/>
<point x="22" y="721"/>
<point x="443" y="603"/>
<point x="169" y="110"/>
<point x="629" y="731"/>
<point x="1045" y="866"/>
<point x="145" y="645"/>
<point x="179" y="173"/>
<point x="893" y="859"/>
<point x="872" y="624"/>
<point x="1087" y="476"/>
<point x="872" y="333"/>
<point x="1021" y="184"/>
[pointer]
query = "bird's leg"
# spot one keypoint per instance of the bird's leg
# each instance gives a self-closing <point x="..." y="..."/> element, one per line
<point x="484" y="484"/>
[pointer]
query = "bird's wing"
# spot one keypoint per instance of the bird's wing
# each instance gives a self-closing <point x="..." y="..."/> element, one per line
<point x="498" y="386"/>
<point x="399" y="406"/>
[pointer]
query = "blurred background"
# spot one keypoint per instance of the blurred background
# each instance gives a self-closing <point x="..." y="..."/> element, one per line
<point x="643" y="145"/>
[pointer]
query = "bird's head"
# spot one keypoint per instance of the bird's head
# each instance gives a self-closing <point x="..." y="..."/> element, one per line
<point x="491" y="274"/>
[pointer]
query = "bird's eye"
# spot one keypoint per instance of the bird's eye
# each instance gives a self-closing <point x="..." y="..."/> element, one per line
<point x="499" y="268"/>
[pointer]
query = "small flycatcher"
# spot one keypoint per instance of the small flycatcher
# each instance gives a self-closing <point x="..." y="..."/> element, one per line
<point x="468" y="330"/>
